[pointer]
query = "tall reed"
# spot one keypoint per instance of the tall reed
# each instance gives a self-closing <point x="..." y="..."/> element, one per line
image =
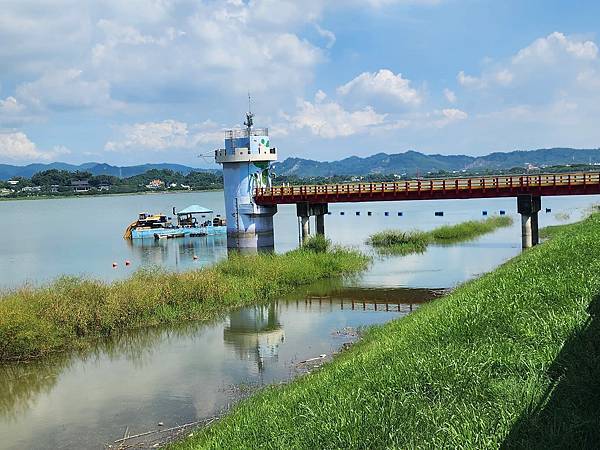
<point x="71" y="310"/>
<point x="404" y="242"/>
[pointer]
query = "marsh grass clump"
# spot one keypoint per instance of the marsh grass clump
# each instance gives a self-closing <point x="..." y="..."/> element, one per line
<point x="508" y="360"/>
<point x="317" y="243"/>
<point x="468" y="230"/>
<point x="405" y="242"/>
<point x="72" y="311"/>
<point x="399" y="242"/>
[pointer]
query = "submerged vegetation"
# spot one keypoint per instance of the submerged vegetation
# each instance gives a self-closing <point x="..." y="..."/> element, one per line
<point x="405" y="242"/>
<point x="69" y="311"/>
<point x="508" y="360"/>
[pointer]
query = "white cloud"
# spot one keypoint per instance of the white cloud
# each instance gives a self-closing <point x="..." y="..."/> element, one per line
<point x="328" y="119"/>
<point x="10" y="106"/>
<point x="552" y="48"/>
<point x="165" y="135"/>
<point x="18" y="147"/>
<point x="66" y="89"/>
<point x="504" y="77"/>
<point x="469" y="81"/>
<point x="448" y="116"/>
<point x="554" y="59"/>
<point x="13" y="112"/>
<point x="450" y="95"/>
<point x="383" y="83"/>
<point x="327" y="34"/>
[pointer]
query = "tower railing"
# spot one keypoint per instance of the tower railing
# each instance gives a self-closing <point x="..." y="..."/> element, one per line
<point x="241" y="133"/>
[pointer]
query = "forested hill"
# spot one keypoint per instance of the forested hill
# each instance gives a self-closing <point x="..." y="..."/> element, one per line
<point x="411" y="162"/>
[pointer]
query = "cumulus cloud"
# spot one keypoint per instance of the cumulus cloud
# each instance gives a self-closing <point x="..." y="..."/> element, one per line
<point x="469" y="80"/>
<point x="552" y="48"/>
<point x="448" y="116"/>
<point x="66" y="89"/>
<point x="10" y="105"/>
<point x="383" y="84"/>
<point x="556" y="58"/>
<point x="450" y="95"/>
<point x="16" y="147"/>
<point x="328" y="119"/>
<point x="327" y="34"/>
<point x="165" y="135"/>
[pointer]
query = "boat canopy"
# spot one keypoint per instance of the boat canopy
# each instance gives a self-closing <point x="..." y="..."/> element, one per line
<point x="194" y="209"/>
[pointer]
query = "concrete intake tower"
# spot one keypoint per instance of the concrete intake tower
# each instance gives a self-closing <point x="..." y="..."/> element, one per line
<point x="246" y="160"/>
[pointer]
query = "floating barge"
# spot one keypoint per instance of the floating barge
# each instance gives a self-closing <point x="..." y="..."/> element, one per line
<point x="159" y="226"/>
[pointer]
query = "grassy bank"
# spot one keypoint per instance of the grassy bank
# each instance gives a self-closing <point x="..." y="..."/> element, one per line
<point x="405" y="242"/>
<point x="66" y="313"/>
<point x="511" y="359"/>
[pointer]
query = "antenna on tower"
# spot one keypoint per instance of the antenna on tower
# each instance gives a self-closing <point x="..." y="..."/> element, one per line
<point x="249" y="116"/>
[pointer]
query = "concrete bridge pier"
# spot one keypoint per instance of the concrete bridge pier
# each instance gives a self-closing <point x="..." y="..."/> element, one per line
<point x="529" y="206"/>
<point x="304" y="228"/>
<point x="304" y="211"/>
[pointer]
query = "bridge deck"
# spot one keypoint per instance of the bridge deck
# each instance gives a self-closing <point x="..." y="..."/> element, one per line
<point x="449" y="188"/>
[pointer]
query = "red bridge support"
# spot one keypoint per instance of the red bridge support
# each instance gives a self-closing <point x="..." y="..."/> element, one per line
<point x="304" y="211"/>
<point x="529" y="206"/>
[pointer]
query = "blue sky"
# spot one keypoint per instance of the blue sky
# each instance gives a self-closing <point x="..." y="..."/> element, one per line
<point x="159" y="80"/>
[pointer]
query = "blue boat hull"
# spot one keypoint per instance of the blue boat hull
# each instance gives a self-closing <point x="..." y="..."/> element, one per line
<point x="179" y="232"/>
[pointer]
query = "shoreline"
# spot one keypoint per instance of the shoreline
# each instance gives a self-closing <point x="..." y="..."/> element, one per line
<point x="488" y="359"/>
<point x="70" y="312"/>
<point x="116" y="194"/>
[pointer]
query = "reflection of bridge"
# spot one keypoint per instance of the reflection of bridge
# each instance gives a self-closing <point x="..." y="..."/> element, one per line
<point x="314" y="199"/>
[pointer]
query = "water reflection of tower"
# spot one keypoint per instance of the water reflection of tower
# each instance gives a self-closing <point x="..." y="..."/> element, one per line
<point x="255" y="334"/>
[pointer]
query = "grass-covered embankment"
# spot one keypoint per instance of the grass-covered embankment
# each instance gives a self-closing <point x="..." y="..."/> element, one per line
<point x="511" y="359"/>
<point x="405" y="242"/>
<point x="69" y="311"/>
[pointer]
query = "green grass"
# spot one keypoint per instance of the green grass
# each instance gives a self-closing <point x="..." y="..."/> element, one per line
<point x="400" y="242"/>
<point x="511" y="360"/>
<point x="551" y="230"/>
<point x="68" y="312"/>
<point x="405" y="242"/>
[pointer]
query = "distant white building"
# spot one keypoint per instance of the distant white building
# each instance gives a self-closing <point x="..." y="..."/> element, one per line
<point x="31" y="189"/>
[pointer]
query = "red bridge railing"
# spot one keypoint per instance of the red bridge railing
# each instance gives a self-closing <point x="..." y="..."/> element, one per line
<point x="425" y="189"/>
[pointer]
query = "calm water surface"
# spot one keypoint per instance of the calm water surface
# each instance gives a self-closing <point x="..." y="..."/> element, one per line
<point x="43" y="239"/>
<point x="180" y="374"/>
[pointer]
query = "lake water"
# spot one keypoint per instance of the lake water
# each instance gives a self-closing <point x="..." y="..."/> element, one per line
<point x="43" y="239"/>
<point x="181" y="374"/>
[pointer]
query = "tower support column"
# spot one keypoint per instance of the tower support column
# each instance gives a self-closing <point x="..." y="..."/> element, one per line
<point x="529" y="206"/>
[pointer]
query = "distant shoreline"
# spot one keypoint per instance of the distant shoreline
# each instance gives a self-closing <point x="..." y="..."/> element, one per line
<point x="116" y="194"/>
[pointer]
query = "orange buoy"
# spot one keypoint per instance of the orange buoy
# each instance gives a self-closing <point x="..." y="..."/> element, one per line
<point x="127" y="262"/>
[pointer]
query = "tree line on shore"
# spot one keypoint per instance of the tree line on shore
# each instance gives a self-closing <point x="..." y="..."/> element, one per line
<point x="63" y="182"/>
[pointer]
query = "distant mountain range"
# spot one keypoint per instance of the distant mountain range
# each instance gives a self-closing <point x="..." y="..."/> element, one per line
<point x="8" y="171"/>
<point x="409" y="163"/>
<point x="412" y="162"/>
